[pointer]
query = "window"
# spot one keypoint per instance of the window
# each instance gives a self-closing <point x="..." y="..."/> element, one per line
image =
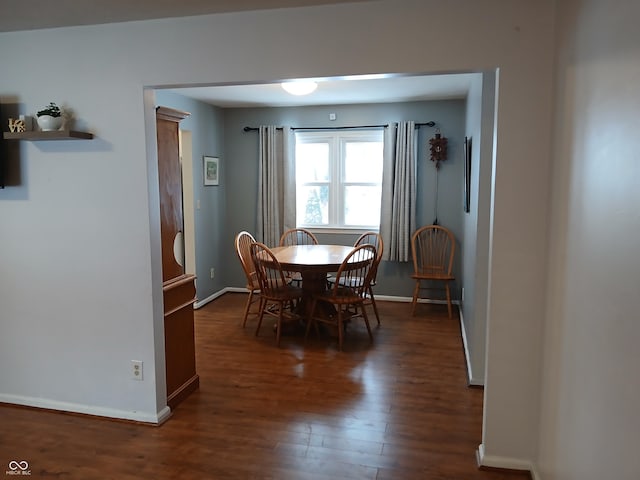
<point x="339" y="179"/>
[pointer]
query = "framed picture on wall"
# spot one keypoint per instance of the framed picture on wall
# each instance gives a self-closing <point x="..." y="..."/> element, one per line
<point x="467" y="174"/>
<point x="211" y="170"/>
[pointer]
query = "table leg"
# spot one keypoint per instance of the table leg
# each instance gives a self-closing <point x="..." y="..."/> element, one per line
<point x="312" y="283"/>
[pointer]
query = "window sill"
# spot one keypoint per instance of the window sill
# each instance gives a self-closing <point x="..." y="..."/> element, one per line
<point x="339" y="230"/>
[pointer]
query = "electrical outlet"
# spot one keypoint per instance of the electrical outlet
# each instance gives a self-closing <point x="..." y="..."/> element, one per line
<point x="212" y="272"/>
<point x="136" y="370"/>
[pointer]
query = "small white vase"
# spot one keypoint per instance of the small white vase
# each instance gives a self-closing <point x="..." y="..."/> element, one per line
<point x="48" y="123"/>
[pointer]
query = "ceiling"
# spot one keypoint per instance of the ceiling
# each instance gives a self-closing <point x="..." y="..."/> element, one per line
<point x="337" y="91"/>
<point x="38" y="14"/>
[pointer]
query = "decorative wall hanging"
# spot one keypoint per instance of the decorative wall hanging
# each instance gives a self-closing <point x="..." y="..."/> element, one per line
<point x="438" y="149"/>
<point x="467" y="174"/>
<point x="211" y="171"/>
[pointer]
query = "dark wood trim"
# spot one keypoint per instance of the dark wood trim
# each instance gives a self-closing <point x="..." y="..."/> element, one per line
<point x="52" y="135"/>
<point x="511" y="471"/>
<point x="180" y="307"/>
<point x="171" y="114"/>
<point x="177" y="281"/>
<point x="183" y="392"/>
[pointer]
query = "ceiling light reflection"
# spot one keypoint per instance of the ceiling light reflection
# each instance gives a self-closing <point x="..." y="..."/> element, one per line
<point x="299" y="88"/>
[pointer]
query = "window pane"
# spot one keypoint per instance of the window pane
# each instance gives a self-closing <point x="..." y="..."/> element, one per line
<point x="338" y="178"/>
<point x="312" y="162"/>
<point x="363" y="162"/>
<point x="313" y="205"/>
<point x="362" y="205"/>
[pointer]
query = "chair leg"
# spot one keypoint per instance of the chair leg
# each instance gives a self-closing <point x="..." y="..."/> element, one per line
<point x="312" y="310"/>
<point x="340" y="329"/>
<point x="263" y="305"/>
<point x="366" y="322"/>
<point x="246" y="308"/>
<point x="416" y="290"/>
<point x="279" y="324"/>
<point x="375" y="307"/>
<point x="448" y="298"/>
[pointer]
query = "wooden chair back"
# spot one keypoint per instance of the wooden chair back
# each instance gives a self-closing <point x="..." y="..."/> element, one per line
<point x="354" y="275"/>
<point x="375" y="239"/>
<point x="433" y="249"/>
<point x="276" y="294"/>
<point x="298" y="236"/>
<point x="271" y="277"/>
<point x="243" y="243"/>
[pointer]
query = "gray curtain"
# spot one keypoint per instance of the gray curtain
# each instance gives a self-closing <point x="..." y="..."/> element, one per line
<point x="399" y="185"/>
<point x="276" y="184"/>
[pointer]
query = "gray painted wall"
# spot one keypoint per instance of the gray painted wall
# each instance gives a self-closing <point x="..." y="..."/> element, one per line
<point x="241" y="172"/>
<point x="475" y="244"/>
<point x="220" y="132"/>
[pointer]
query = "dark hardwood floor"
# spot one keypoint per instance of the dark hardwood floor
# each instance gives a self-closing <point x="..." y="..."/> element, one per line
<point x="398" y="409"/>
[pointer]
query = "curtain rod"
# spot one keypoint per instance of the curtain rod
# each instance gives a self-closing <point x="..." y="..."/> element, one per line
<point x="418" y="125"/>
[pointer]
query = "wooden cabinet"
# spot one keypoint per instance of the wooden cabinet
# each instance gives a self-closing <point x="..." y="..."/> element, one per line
<point x="179" y="292"/>
<point x="179" y="345"/>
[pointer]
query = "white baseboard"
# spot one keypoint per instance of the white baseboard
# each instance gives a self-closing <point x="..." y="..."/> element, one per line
<point x="236" y="290"/>
<point x="384" y="298"/>
<point x="210" y="298"/>
<point x="163" y="415"/>
<point x="495" y="461"/>
<point x="391" y="298"/>
<point x="534" y="474"/>
<point x="143" y="417"/>
<point x="470" y="377"/>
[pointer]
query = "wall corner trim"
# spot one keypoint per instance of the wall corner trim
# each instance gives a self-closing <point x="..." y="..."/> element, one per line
<point x="478" y="382"/>
<point x="506" y="463"/>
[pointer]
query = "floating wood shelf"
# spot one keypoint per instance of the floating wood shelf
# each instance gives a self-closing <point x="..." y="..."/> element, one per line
<point x="52" y="135"/>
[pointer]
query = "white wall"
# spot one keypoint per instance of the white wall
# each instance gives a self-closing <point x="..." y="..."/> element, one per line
<point x="79" y="270"/>
<point x="591" y="388"/>
<point x="75" y="268"/>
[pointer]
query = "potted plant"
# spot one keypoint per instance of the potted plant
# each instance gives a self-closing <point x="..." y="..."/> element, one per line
<point x="50" y="117"/>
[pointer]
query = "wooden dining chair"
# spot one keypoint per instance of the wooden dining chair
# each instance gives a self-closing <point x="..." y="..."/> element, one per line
<point x="347" y="293"/>
<point x="432" y="248"/>
<point x="375" y="239"/>
<point x="298" y="236"/>
<point x="277" y="295"/>
<point x="243" y="243"/>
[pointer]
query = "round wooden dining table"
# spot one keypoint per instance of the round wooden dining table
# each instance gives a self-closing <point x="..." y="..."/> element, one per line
<point x="313" y="262"/>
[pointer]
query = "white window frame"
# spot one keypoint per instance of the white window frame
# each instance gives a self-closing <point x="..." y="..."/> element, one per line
<point x="337" y="140"/>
